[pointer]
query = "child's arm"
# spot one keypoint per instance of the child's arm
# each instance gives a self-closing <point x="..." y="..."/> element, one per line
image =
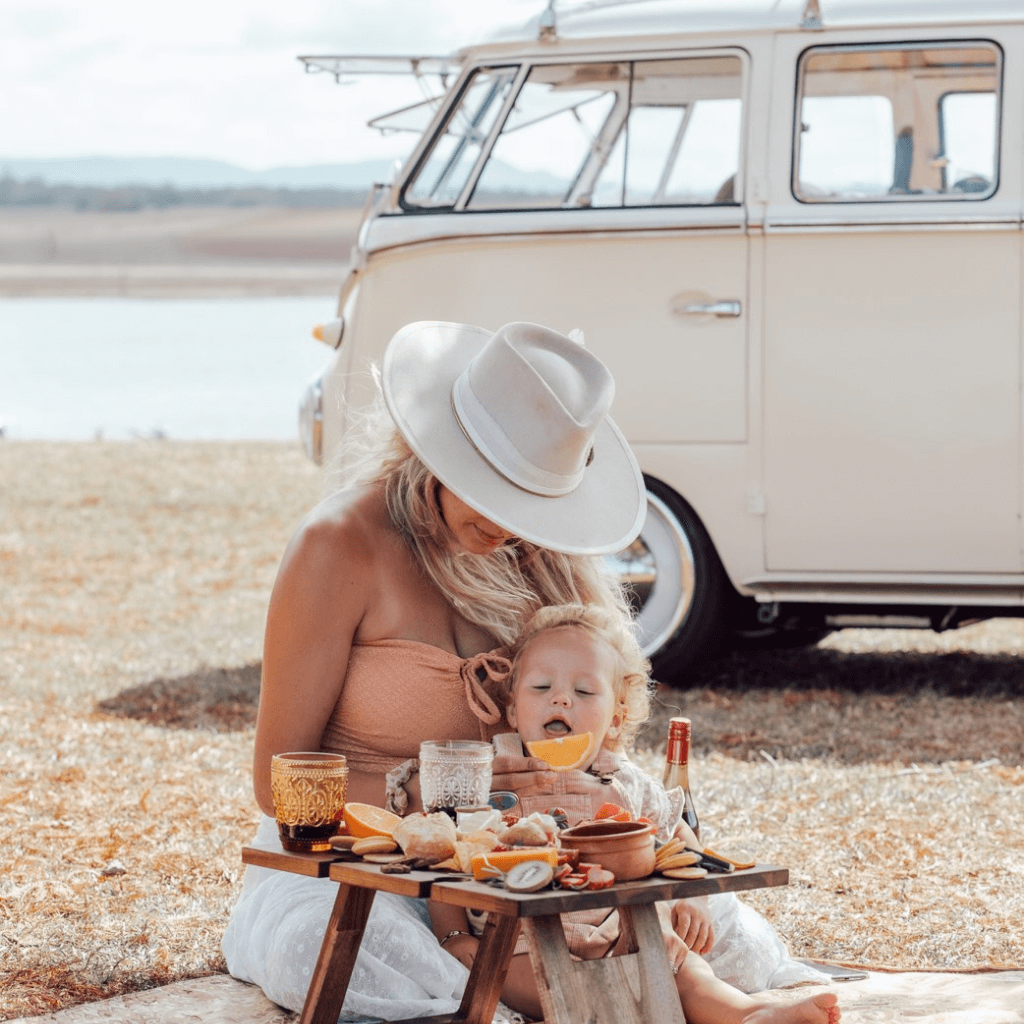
<point x="451" y="926"/>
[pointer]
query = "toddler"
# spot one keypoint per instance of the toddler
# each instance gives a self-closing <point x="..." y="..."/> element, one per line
<point x="574" y="670"/>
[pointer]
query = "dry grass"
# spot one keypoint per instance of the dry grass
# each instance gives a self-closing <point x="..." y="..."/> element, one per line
<point x="135" y="579"/>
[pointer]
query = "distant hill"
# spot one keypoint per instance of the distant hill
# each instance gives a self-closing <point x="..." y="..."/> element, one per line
<point x="182" y="173"/>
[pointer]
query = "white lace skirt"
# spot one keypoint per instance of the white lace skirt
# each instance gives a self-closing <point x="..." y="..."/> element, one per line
<point x="276" y="928"/>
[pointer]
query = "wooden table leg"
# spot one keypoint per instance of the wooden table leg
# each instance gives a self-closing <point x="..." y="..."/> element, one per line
<point x="337" y="957"/>
<point x="634" y="988"/>
<point x="483" y="989"/>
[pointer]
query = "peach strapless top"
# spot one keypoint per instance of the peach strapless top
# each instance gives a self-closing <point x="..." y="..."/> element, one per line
<point x="398" y="693"/>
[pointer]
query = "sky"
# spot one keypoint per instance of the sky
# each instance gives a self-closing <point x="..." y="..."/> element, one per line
<point x="217" y="78"/>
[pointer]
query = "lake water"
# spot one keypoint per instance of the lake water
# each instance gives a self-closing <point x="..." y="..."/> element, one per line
<point x="210" y="369"/>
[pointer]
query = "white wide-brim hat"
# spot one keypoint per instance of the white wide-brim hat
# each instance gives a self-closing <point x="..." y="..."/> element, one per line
<point x="515" y="423"/>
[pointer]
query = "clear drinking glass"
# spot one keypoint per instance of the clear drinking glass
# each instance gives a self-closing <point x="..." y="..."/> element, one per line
<point x="455" y="773"/>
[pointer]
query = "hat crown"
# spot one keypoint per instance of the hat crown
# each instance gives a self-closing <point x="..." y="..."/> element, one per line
<point x="530" y="401"/>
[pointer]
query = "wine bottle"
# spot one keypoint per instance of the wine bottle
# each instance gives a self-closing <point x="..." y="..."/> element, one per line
<point x="677" y="756"/>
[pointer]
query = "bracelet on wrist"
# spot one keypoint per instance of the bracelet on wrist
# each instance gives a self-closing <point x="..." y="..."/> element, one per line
<point x="453" y="933"/>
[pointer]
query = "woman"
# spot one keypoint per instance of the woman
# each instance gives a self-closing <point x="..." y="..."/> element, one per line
<point x="501" y="477"/>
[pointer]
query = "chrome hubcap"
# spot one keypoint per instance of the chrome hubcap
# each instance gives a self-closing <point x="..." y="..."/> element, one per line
<point x="659" y="572"/>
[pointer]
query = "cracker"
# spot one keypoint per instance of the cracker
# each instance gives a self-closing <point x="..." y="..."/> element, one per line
<point x="678" y="860"/>
<point x="688" y="872"/>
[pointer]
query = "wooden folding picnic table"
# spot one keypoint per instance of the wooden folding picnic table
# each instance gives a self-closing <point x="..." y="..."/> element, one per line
<point x="634" y="988"/>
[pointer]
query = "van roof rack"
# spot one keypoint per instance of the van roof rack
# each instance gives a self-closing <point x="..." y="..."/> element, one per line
<point x="342" y="65"/>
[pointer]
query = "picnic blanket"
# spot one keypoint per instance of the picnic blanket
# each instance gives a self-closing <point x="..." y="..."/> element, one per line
<point x="989" y="997"/>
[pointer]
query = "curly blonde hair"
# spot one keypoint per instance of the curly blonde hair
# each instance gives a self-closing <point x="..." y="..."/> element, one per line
<point x="633" y="677"/>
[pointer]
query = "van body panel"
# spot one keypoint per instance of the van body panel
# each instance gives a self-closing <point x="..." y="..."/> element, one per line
<point x="623" y="290"/>
<point x="879" y="441"/>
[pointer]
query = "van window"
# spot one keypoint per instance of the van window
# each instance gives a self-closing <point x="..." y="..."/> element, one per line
<point x="599" y="134"/>
<point x="443" y="174"/>
<point x="562" y="120"/>
<point x="897" y="123"/>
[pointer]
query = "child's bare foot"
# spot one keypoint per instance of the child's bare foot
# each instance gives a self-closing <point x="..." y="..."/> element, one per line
<point x="815" y="1010"/>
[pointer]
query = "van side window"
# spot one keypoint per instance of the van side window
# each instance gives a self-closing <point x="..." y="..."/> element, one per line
<point x="443" y="174"/>
<point x="681" y="145"/>
<point x="590" y="134"/>
<point x="643" y="133"/>
<point x="563" y="123"/>
<point x="897" y="123"/>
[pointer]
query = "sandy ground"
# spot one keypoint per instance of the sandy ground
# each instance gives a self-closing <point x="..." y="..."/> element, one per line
<point x="884" y="769"/>
<point x="177" y="252"/>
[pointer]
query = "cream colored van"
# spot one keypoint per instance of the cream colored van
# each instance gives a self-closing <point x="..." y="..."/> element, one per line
<point x="793" y="231"/>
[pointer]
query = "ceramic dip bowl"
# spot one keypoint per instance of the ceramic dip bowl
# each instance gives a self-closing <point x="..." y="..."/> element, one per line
<point x="625" y="848"/>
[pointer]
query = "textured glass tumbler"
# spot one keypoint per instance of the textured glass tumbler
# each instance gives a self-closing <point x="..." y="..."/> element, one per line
<point x="455" y="773"/>
<point x="308" y="788"/>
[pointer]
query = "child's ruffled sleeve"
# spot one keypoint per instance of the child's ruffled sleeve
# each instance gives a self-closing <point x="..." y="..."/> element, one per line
<point x="649" y="799"/>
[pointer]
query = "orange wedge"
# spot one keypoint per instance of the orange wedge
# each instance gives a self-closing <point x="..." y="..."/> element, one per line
<point x="564" y="753"/>
<point x="367" y="820"/>
<point x="613" y="812"/>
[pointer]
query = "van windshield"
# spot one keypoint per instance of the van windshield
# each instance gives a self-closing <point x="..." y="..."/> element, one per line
<point x="588" y="134"/>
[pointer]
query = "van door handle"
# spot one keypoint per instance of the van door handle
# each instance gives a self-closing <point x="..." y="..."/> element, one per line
<point x="722" y="308"/>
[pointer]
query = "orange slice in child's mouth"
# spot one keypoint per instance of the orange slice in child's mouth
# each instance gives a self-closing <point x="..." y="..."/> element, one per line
<point x="564" y="753"/>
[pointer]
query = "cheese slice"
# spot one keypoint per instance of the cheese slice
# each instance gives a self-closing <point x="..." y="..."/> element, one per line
<point x="495" y="863"/>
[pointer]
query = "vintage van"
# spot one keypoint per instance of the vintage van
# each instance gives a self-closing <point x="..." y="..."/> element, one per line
<point x="793" y="231"/>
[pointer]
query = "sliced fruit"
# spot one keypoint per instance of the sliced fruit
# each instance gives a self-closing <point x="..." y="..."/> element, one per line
<point x="529" y="876"/>
<point x="613" y="812"/>
<point x="737" y="858"/>
<point x="565" y="752"/>
<point x="367" y="820"/>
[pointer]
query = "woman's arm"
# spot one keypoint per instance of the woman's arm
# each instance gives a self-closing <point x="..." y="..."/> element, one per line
<point x="318" y="600"/>
<point x="451" y="926"/>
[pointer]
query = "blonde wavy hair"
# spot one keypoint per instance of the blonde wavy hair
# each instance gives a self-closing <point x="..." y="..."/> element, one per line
<point x="497" y="592"/>
<point x="632" y="683"/>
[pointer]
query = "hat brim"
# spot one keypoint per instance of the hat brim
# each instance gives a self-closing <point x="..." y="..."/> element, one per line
<point x="603" y="514"/>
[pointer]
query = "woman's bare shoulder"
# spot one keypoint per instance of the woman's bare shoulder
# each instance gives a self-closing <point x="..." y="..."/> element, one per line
<point x="342" y="535"/>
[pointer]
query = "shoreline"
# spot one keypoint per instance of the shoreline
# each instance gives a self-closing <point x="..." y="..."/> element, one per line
<point x="181" y="252"/>
<point x="68" y="280"/>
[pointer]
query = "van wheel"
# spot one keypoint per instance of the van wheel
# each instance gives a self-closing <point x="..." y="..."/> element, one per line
<point x="676" y="584"/>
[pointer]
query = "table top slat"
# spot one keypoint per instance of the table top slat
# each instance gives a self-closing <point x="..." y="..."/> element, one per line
<point x="480" y="896"/>
<point x="315" y="865"/>
<point x="370" y="876"/>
